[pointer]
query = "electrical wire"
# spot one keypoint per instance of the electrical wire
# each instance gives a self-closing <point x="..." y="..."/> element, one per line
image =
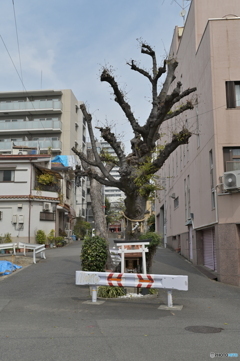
<point x="19" y="55"/>
<point x="20" y="78"/>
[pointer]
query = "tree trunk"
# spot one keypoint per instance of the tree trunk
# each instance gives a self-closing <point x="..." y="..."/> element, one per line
<point x="135" y="209"/>
<point x="98" y="208"/>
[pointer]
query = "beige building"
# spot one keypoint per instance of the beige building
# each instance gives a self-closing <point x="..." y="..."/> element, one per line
<point x="198" y="211"/>
<point x="49" y="121"/>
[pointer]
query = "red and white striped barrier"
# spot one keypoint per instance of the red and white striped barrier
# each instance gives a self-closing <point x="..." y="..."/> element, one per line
<point x="169" y="282"/>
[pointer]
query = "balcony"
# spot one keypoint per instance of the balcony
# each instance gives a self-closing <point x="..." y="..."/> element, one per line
<point x="55" y="145"/>
<point x="35" y="126"/>
<point x="45" y="194"/>
<point x="47" y="188"/>
<point x="39" y="106"/>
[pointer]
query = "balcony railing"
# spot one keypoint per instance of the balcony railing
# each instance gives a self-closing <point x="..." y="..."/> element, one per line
<point x="47" y="188"/>
<point x="30" y="105"/>
<point x="55" y="145"/>
<point x="37" y="125"/>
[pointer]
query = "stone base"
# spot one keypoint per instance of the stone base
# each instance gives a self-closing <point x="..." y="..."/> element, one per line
<point x="173" y="308"/>
<point x="93" y="303"/>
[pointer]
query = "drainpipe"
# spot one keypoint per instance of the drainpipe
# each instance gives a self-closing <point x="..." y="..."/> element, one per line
<point x="30" y="204"/>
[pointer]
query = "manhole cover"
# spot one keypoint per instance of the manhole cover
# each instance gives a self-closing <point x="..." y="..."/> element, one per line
<point x="203" y="329"/>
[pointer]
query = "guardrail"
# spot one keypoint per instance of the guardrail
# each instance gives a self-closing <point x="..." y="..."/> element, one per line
<point x="9" y="246"/>
<point x="36" y="248"/>
<point x="169" y="282"/>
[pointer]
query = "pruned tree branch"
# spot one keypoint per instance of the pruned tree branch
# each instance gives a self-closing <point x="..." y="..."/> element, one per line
<point x="178" y="138"/>
<point x="119" y="98"/>
<point x="83" y="157"/>
<point x="98" y="161"/>
<point x="139" y="70"/>
<point x="183" y="108"/>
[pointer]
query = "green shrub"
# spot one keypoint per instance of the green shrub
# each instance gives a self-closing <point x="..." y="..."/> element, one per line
<point x="111" y="292"/>
<point x="153" y="291"/>
<point x="155" y="241"/>
<point x="7" y="238"/>
<point x="59" y="241"/>
<point x="82" y="228"/>
<point x="94" y="254"/>
<point x="41" y="237"/>
<point x="51" y="236"/>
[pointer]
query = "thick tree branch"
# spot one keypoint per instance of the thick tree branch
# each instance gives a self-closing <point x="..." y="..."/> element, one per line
<point x="180" y="110"/>
<point x="178" y="138"/>
<point x="88" y="172"/>
<point x="83" y="157"/>
<point x="111" y="139"/>
<point x="98" y="161"/>
<point x="119" y="98"/>
<point x="171" y="66"/>
<point x="184" y="94"/>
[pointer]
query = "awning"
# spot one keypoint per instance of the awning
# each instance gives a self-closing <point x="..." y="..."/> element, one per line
<point x="49" y="171"/>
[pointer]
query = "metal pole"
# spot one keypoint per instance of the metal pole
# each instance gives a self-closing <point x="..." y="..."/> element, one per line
<point x="94" y="293"/>
<point x="122" y="260"/>
<point x="170" y="302"/>
<point x="144" y="266"/>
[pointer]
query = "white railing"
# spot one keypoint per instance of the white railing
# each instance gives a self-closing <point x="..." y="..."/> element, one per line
<point x="9" y="246"/>
<point x="31" y="125"/>
<point x="30" y="105"/>
<point x="36" y="248"/>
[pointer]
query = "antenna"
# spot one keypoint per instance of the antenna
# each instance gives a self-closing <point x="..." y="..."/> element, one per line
<point x="184" y="6"/>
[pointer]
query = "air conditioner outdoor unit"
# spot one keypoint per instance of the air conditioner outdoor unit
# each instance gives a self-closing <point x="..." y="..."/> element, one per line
<point x="22" y="152"/>
<point x="47" y="206"/>
<point x="231" y="180"/>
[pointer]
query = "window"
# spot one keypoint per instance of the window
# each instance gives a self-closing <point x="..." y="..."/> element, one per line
<point x="233" y="94"/>
<point x="68" y="189"/>
<point x="6" y="176"/>
<point x="231" y="158"/>
<point x="47" y="216"/>
<point x="176" y="202"/>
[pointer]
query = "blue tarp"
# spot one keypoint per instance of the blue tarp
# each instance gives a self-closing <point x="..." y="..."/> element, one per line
<point x="61" y="159"/>
<point x="7" y="267"/>
<point x="66" y="160"/>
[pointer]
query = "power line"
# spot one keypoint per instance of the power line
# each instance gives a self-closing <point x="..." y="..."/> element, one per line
<point x="12" y="62"/>
<point x="21" y="80"/>
<point x="20" y="63"/>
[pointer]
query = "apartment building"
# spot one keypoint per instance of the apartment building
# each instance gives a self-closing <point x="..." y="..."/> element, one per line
<point x="198" y="211"/>
<point x="46" y="122"/>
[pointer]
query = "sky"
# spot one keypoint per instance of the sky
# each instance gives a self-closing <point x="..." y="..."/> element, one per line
<point x="63" y="44"/>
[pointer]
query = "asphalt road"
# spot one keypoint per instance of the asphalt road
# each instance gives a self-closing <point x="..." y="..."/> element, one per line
<point x="43" y="317"/>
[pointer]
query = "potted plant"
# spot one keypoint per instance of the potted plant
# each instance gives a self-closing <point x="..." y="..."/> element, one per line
<point x="60" y="241"/>
<point x="51" y="238"/>
<point x="41" y="237"/>
<point x="46" y="179"/>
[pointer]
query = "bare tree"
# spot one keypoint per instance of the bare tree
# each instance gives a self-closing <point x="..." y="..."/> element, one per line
<point x="137" y="169"/>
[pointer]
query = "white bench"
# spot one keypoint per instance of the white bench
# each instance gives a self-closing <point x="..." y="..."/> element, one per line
<point x="9" y="246"/>
<point x="36" y="248"/>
